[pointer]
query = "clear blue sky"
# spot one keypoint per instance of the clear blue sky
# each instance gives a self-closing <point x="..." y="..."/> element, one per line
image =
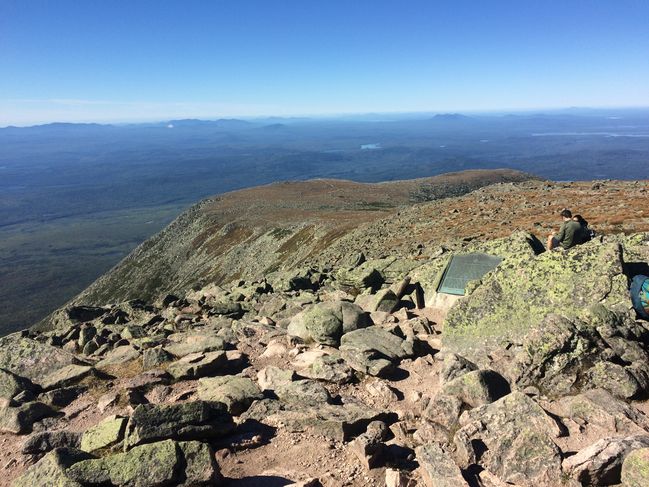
<point x="110" y="60"/>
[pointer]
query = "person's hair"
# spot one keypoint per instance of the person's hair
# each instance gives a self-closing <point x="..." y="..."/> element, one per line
<point x="566" y="213"/>
<point x="580" y="219"/>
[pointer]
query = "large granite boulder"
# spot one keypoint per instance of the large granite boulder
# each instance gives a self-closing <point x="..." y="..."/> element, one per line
<point x="374" y="351"/>
<point x="195" y="420"/>
<point x="558" y="321"/>
<point x="32" y="359"/>
<point x="51" y="469"/>
<point x="236" y="392"/>
<point x="326" y="322"/>
<point x="181" y="464"/>
<point x="513" y="439"/>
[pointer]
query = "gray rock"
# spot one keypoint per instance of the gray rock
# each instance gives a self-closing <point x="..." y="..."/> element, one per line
<point x="65" y="376"/>
<point x="598" y="407"/>
<point x="31" y="359"/>
<point x="601" y="462"/>
<point x="197" y="365"/>
<point x="201" y="468"/>
<point x="373" y="350"/>
<point x="151" y="465"/>
<point x="339" y="423"/>
<point x="11" y="385"/>
<point x="438" y="468"/>
<point x="186" y="421"/>
<point x="41" y="443"/>
<point x="270" y="377"/>
<point x="517" y="439"/>
<point x="303" y="392"/>
<point x="329" y="368"/>
<point x="326" y="322"/>
<point x="635" y="469"/>
<point x="19" y="420"/>
<point x="118" y="356"/>
<point x="107" y="433"/>
<point x="156" y="356"/>
<point x="236" y="392"/>
<point x="194" y="343"/>
<point x="51" y="469"/>
<point x="454" y="366"/>
<point x="477" y="387"/>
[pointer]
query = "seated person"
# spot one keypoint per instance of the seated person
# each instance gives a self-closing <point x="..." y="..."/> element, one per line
<point x="587" y="233"/>
<point x="570" y="233"/>
<point x="640" y="295"/>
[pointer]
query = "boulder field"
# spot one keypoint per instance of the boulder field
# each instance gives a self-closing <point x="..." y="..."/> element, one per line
<point x="357" y="374"/>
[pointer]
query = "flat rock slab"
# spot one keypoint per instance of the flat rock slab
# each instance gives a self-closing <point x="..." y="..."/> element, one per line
<point x="19" y="420"/>
<point x="236" y="392"/>
<point x="374" y="350"/>
<point x="109" y="432"/>
<point x="437" y="467"/>
<point x="196" y="365"/>
<point x="601" y="462"/>
<point x="185" y="344"/>
<point x="339" y="423"/>
<point x="32" y="359"/>
<point x="118" y="356"/>
<point x="65" y="376"/>
<point x="194" y="420"/>
<point x="149" y="465"/>
<point x="51" y="469"/>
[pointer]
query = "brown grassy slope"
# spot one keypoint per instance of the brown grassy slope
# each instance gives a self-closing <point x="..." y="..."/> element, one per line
<point x="250" y="232"/>
<point x="499" y="210"/>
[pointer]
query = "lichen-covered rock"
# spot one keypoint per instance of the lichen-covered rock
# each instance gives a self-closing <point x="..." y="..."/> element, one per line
<point x="19" y="419"/>
<point x="108" y="432"/>
<point x="599" y="408"/>
<point x="156" y="356"/>
<point x="601" y="462"/>
<point x="373" y="350"/>
<point x="326" y="322"/>
<point x="46" y="441"/>
<point x="50" y="470"/>
<point x="65" y="376"/>
<point x="329" y="368"/>
<point x="635" y="469"/>
<point x="437" y="467"/>
<point x="185" y="344"/>
<point x="194" y="420"/>
<point x="558" y="321"/>
<point x="200" y="465"/>
<point x="477" y="387"/>
<point x="199" y="364"/>
<point x="517" y="438"/>
<point x="333" y="421"/>
<point x="11" y="385"/>
<point x="149" y="465"/>
<point x="117" y="356"/>
<point x="236" y="392"/>
<point x="270" y="377"/>
<point x="31" y="359"/>
<point x="302" y="392"/>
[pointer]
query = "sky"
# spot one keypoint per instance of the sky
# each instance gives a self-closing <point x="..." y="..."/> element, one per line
<point x="138" y="60"/>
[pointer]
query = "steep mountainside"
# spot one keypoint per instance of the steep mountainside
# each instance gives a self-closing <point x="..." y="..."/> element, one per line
<point x="249" y="233"/>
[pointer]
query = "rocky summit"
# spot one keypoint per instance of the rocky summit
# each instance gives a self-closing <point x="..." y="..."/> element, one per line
<point x="298" y="334"/>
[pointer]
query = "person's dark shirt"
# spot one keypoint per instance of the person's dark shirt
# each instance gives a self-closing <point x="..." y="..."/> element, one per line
<point x="570" y="234"/>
